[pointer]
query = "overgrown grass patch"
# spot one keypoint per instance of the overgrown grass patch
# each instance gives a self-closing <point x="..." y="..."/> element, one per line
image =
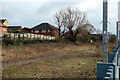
<point x="69" y="68"/>
<point x="52" y="60"/>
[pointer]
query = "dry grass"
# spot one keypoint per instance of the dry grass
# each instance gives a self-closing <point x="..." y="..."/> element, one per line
<point x="32" y="50"/>
<point x="52" y="60"/>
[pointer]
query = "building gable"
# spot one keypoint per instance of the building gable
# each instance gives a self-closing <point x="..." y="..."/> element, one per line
<point x="4" y="22"/>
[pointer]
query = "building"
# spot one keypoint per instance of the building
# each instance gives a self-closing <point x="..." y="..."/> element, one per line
<point x="3" y="28"/>
<point x="25" y="29"/>
<point x="4" y="22"/>
<point x="45" y="29"/>
<point x="12" y="29"/>
<point x="3" y="25"/>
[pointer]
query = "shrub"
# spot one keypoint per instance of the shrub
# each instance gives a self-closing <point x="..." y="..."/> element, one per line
<point x="112" y="39"/>
<point x="3" y="54"/>
<point x="76" y="42"/>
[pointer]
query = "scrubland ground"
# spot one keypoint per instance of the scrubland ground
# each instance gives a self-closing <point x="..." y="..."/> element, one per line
<point x="52" y="60"/>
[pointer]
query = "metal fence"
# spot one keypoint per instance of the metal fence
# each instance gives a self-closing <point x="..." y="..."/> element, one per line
<point x="110" y="70"/>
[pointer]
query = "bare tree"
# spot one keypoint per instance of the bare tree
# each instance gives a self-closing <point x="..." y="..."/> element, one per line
<point x="59" y="20"/>
<point x="74" y="20"/>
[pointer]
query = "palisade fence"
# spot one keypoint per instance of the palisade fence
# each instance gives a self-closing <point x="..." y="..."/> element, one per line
<point x="110" y="70"/>
<point x="22" y="36"/>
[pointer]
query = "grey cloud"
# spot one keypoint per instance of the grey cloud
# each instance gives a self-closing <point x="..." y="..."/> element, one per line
<point x="33" y="13"/>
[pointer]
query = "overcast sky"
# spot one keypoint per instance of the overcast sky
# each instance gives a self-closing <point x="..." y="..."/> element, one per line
<point x="33" y="12"/>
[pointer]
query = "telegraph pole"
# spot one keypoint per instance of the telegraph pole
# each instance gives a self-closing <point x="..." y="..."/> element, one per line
<point x="105" y="21"/>
<point x="118" y="25"/>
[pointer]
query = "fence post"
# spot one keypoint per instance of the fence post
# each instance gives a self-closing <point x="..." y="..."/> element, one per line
<point x="51" y="37"/>
<point x="40" y="37"/>
<point x="9" y="36"/>
<point x="27" y="37"/>
<point x="18" y="37"/>
<point x="30" y="36"/>
<point x="34" y="36"/>
<point x="23" y="36"/>
<point x="14" y="36"/>
<point x="4" y="36"/>
<point x="46" y="37"/>
<point x="37" y="37"/>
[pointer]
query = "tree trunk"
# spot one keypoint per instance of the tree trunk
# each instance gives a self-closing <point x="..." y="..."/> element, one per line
<point x="59" y="31"/>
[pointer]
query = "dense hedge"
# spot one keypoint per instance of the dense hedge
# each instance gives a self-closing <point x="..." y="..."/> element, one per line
<point x="17" y="42"/>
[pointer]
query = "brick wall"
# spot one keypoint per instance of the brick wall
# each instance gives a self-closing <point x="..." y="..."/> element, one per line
<point x="48" y="32"/>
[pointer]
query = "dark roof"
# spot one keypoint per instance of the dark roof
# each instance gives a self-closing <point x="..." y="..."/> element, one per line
<point x="13" y="28"/>
<point x="2" y="20"/>
<point x="43" y="26"/>
<point x="26" y="28"/>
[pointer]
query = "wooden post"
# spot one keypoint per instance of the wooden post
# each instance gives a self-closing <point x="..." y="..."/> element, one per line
<point x="18" y="37"/>
<point x="34" y="36"/>
<point x="9" y="36"/>
<point x="30" y="36"/>
<point x="40" y="37"/>
<point x="4" y="36"/>
<point x="14" y="36"/>
<point x="45" y="37"/>
<point x="23" y="36"/>
<point x="27" y="37"/>
<point x="37" y="36"/>
<point x="51" y="37"/>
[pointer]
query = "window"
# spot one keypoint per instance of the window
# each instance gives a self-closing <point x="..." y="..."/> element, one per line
<point x="4" y="29"/>
<point x="36" y="31"/>
<point x="48" y="30"/>
<point x="43" y="31"/>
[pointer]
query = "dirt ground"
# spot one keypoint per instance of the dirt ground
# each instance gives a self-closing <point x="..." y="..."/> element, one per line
<point x="51" y="60"/>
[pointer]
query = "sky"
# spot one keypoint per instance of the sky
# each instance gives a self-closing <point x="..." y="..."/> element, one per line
<point x="28" y="13"/>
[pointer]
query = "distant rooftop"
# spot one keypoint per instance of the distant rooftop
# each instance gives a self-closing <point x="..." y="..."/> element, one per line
<point x="44" y="26"/>
<point x="2" y="20"/>
<point x="13" y="27"/>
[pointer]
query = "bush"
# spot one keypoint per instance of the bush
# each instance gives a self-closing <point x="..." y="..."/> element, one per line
<point x="112" y="39"/>
<point x="76" y="42"/>
<point x="95" y="37"/>
<point x="8" y="42"/>
<point x="3" y="54"/>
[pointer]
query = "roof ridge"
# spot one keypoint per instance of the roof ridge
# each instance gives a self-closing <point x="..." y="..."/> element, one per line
<point x="3" y="19"/>
<point x="39" y="25"/>
<point x="53" y="26"/>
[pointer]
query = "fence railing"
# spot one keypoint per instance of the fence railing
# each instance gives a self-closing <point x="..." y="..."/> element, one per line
<point x="110" y="70"/>
<point x="21" y="36"/>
